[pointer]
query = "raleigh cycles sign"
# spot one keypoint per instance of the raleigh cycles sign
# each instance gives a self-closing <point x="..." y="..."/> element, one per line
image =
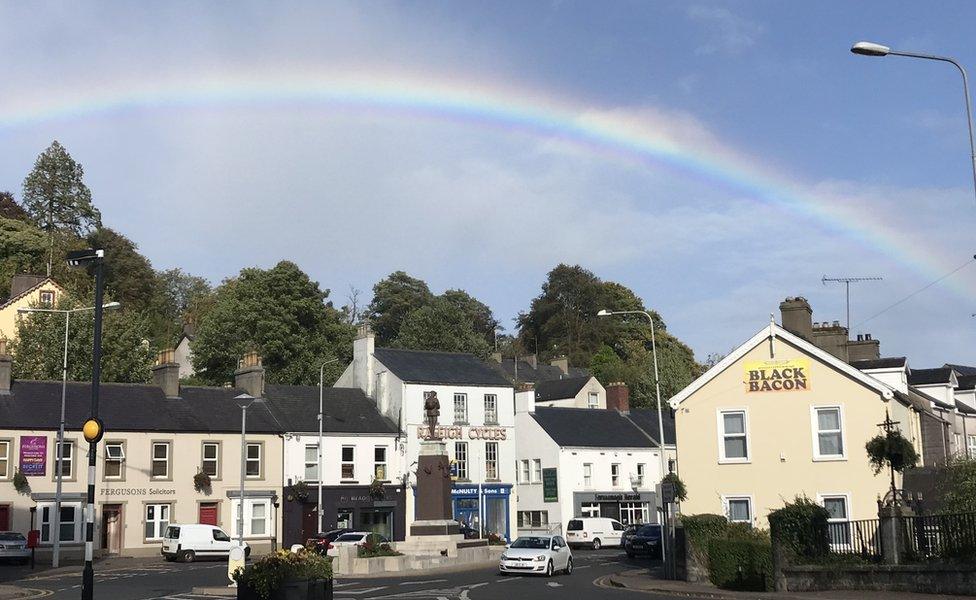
<point x="777" y="375"/>
<point x="456" y="432"/>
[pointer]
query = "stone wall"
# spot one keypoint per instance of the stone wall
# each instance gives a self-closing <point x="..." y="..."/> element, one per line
<point x="931" y="579"/>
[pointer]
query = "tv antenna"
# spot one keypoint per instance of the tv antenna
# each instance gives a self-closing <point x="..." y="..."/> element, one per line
<point x="847" y="281"/>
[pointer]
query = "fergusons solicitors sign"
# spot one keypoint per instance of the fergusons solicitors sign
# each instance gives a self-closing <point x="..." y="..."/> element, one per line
<point x="777" y="375"/>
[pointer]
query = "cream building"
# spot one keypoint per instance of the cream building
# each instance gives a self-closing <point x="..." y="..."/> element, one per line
<point x="780" y="417"/>
<point x="26" y="291"/>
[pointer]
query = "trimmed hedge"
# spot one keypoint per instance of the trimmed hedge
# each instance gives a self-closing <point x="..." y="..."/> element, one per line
<point x="801" y="528"/>
<point x="740" y="564"/>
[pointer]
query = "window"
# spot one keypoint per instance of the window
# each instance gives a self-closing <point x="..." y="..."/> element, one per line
<point x="615" y="475"/>
<point x="461" y="459"/>
<point x="348" y="462"/>
<point x="957" y="444"/>
<point x="491" y="460"/>
<point x="533" y="518"/>
<point x="67" y="459"/>
<point x="524" y="472"/>
<point x="593" y="400"/>
<point x="4" y="459"/>
<point x="633" y="513"/>
<point x="838" y="528"/>
<point x="256" y="513"/>
<point x="970" y="441"/>
<point x="460" y="408"/>
<point x="70" y="523"/>
<point x="259" y="519"/>
<point x="829" y="442"/>
<point x="211" y="459"/>
<point x="160" y="460"/>
<point x="640" y="474"/>
<point x="157" y="520"/>
<point x="536" y="470"/>
<point x="311" y="462"/>
<point x="739" y="509"/>
<point x="587" y="475"/>
<point x="491" y="408"/>
<point x="379" y="463"/>
<point x="252" y="467"/>
<point x="589" y="509"/>
<point x="734" y="444"/>
<point x="47" y="298"/>
<point x="114" y="455"/>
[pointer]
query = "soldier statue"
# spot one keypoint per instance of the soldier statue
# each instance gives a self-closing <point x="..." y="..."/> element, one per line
<point x="432" y="410"/>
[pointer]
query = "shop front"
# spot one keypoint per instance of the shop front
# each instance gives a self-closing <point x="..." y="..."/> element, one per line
<point x="345" y="507"/>
<point x="483" y="507"/>
<point x="629" y="508"/>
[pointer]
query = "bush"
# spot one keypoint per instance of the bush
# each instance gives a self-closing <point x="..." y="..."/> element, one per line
<point x="270" y="572"/>
<point x="801" y="528"/>
<point x="680" y="491"/>
<point x="371" y="549"/>
<point x="958" y="486"/>
<point x="701" y="529"/>
<point x="740" y="564"/>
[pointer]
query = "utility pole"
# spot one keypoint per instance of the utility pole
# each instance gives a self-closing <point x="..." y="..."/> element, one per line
<point x="847" y="281"/>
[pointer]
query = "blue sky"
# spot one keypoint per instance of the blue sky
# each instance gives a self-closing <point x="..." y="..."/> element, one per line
<point x="352" y="193"/>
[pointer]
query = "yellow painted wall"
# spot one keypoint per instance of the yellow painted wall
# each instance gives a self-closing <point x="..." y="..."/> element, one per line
<point x="781" y="441"/>
<point x="8" y="314"/>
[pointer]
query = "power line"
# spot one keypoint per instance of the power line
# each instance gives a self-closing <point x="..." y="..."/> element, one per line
<point x="919" y="290"/>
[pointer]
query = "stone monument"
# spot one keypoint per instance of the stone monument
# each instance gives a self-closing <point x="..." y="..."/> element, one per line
<point x="435" y="521"/>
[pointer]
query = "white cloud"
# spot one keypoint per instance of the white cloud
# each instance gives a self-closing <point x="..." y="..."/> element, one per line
<point x="727" y="31"/>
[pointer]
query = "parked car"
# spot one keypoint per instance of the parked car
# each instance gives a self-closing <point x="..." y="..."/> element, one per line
<point x="13" y="547"/>
<point x="321" y="542"/>
<point x="188" y="542"/>
<point x="595" y="532"/>
<point x="355" y="538"/>
<point x="537" y="554"/>
<point x="628" y="532"/>
<point x="647" y="541"/>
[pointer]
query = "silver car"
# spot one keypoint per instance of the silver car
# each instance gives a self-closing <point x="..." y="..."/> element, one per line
<point x="13" y="547"/>
<point x="537" y="554"/>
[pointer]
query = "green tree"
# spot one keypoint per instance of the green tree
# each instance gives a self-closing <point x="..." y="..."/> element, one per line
<point x="187" y="297"/>
<point x="9" y="209"/>
<point x="282" y="314"/>
<point x="443" y="326"/>
<point x="22" y="247"/>
<point x="393" y="299"/>
<point x="127" y="354"/>
<point x="129" y="276"/>
<point x="482" y="320"/>
<point x="957" y="482"/>
<point x="57" y="199"/>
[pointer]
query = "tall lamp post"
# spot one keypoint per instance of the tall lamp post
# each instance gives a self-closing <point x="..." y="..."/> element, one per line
<point x="93" y="428"/>
<point x="872" y="49"/>
<point x="244" y="401"/>
<point x="56" y="550"/>
<point x="319" y="467"/>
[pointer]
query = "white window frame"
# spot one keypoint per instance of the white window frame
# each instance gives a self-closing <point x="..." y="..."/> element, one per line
<point x="590" y="509"/>
<point x="313" y="464"/>
<point x="720" y="424"/>
<point x="158" y="529"/>
<point x="78" y="522"/>
<point x="593" y="400"/>
<point x="971" y="445"/>
<point x="67" y="462"/>
<point x="821" y="498"/>
<point x="460" y="408"/>
<point x="153" y="460"/>
<point x="377" y="464"/>
<point x="491" y="461"/>
<point x="6" y="473"/>
<point x="641" y="470"/>
<point x="461" y="460"/>
<point x="536" y="470"/>
<point x="524" y="470"/>
<point x="491" y="409"/>
<point x="728" y="499"/>
<point x="633" y="513"/>
<point x="343" y="463"/>
<point x="588" y="476"/>
<point x="815" y="426"/>
<point x="249" y="460"/>
<point x="533" y="519"/>
<point x="120" y="459"/>
<point x="614" y="475"/>
<point x="249" y="504"/>
<point x="215" y="460"/>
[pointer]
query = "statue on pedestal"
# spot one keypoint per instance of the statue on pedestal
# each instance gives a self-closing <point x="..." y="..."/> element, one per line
<point x="432" y="410"/>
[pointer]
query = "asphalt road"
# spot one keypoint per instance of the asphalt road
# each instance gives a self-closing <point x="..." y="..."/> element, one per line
<point x="155" y="579"/>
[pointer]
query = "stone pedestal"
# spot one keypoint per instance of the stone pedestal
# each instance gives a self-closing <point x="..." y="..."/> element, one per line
<point x="435" y="528"/>
<point x="893" y="533"/>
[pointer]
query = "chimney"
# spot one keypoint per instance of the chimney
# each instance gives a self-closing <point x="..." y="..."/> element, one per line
<point x="618" y="397"/>
<point x="562" y="362"/>
<point x="865" y="348"/>
<point x="6" y="366"/>
<point x="797" y="316"/>
<point x="21" y="283"/>
<point x="832" y="337"/>
<point x="166" y="373"/>
<point x="533" y="360"/>
<point x="362" y="359"/>
<point x="249" y="376"/>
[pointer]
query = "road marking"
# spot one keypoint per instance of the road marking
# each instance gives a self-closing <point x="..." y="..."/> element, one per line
<point x="423" y="581"/>
<point x="554" y="584"/>
<point x="366" y="591"/>
<point x="583" y="567"/>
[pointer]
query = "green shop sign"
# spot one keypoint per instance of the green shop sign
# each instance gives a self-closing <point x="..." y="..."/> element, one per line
<point x="550" y="485"/>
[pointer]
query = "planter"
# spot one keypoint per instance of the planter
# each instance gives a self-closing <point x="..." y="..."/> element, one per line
<point x="293" y="589"/>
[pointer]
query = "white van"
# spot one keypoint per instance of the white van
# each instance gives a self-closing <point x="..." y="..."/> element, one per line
<point x="187" y="543"/>
<point x="594" y="532"/>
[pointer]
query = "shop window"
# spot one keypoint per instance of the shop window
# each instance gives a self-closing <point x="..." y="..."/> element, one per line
<point x="587" y="475"/>
<point x="348" y="462"/>
<point x="460" y="408"/>
<point x="633" y="513"/>
<point x="738" y="509"/>
<point x="838" y="526"/>
<point x="536" y="470"/>
<point x="491" y="409"/>
<point x="734" y="443"/>
<point x="491" y="461"/>
<point x="70" y="523"/>
<point x="211" y="459"/>
<point x="615" y="475"/>
<point x="829" y="440"/>
<point x="114" y="455"/>
<point x="252" y="469"/>
<point x="536" y="519"/>
<point x="461" y="459"/>
<point x="157" y="520"/>
<point x="593" y="400"/>
<point x="67" y="459"/>
<point x="160" y="461"/>
<point x="590" y="509"/>
<point x="5" y="459"/>
<point x="311" y="462"/>
<point x="379" y="463"/>
<point x="524" y="471"/>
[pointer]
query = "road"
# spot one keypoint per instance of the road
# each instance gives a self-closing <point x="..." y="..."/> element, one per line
<point x="155" y="579"/>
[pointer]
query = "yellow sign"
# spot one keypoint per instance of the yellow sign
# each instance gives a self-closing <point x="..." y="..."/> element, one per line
<point x="778" y="375"/>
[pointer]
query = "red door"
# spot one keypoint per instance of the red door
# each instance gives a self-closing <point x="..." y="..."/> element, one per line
<point x="208" y="513"/>
<point x="4" y="517"/>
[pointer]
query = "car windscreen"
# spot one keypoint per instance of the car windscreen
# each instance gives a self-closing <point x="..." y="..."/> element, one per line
<point x="575" y="525"/>
<point x="534" y="543"/>
<point x="350" y="537"/>
<point x="652" y="531"/>
<point x="12" y="536"/>
<point x="172" y="533"/>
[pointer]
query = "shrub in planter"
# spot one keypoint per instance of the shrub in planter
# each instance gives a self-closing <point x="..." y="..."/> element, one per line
<point x="21" y="484"/>
<point x="801" y="529"/>
<point x="740" y="564"/>
<point x="300" y="491"/>
<point x="285" y="575"/>
<point x="496" y="540"/>
<point x="371" y="549"/>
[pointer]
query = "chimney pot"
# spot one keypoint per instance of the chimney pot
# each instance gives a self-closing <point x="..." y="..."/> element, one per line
<point x="166" y="373"/>
<point x="836" y="323"/>
<point x="867" y="336"/>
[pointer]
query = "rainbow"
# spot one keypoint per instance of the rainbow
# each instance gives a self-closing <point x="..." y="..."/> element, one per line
<point x="616" y="136"/>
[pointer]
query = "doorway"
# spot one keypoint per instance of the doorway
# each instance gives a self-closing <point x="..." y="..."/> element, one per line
<point x="5" y="517"/>
<point x="208" y="513"/>
<point x="310" y="518"/>
<point x="112" y="528"/>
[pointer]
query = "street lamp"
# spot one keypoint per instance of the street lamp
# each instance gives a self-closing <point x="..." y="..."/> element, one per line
<point x="244" y="401"/>
<point x="872" y="49"/>
<point x="56" y="550"/>
<point x="319" y="473"/>
<point x="92" y="429"/>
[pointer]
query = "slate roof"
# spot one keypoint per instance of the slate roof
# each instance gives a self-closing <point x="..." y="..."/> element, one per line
<point x="964" y="408"/>
<point x="930" y="376"/>
<point x="965" y="370"/>
<point x="646" y="419"/>
<point x="541" y="372"/>
<point x="966" y="382"/>
<point x="892" y="362"/>
<point x="419" y="366"/>
<point x="590" y="428"/>
<point x="346" y="410"/>
<point x="560" y="389"/>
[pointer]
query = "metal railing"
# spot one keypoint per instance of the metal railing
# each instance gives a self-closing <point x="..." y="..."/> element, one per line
<point x="935" y="537"/>
<point x="855" y="538"/>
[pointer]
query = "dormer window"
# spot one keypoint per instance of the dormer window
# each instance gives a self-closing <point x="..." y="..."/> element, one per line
<point x="47" y="298"/>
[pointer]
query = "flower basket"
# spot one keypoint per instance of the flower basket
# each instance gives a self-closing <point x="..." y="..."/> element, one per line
<point x="376" y="490"/>
<point x="300" y="491"/>
<point x="286" y="575"/>
<point x="201" y="482"/>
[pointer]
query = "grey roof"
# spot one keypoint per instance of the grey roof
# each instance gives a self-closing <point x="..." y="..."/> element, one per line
<point x="646" y="419"/>
<point x="966" y="382"/>
<point x="591" y="428"/>
<point x="541" y="372"/>
<point x="346" y="410"/>
<point x="892" y="362"/>
<point x="962" y="369"/>
<point x="420" y="366"/>
<point x="963" y="408"/>
<point x="560" y="389"/>
<point x="930" y="376"/>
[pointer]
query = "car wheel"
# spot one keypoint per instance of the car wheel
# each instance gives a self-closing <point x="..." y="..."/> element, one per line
<point x="596" y="544"/>
<point x="569" y="566"/>
<point x="188" y="556"/>
<point x="549" y="569"/>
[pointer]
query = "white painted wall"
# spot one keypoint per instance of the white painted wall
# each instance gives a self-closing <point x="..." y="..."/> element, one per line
<point x="895" y="378"/>
<point x="364" y="444"/>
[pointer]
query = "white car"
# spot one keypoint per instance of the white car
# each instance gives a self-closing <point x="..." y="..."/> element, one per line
<point x="13" y="547"/>
<point x="354" y="538"/>
<point x="595" y="532"/>
<point x="537" y="554"/>
<point x="189" y="542"/>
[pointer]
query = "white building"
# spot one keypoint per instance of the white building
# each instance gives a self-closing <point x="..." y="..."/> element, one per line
<point x="477" y="420"/>
<point x="584" y="391"/>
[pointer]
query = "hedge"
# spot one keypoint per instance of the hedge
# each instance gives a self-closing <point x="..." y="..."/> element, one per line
<point x="801" y="528"/>
<point x="740" y="564"/>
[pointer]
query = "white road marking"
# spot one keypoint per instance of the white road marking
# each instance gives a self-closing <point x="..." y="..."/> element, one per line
<point x="423" y="581"/>
<point x="554" y="584"/>
<point x="366" y="591"/>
